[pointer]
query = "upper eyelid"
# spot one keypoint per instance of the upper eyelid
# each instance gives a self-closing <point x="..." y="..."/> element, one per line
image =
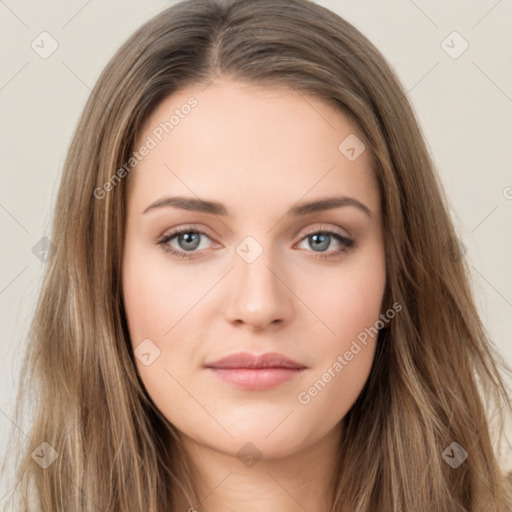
<point x="185" y="229"/>
<point x="327" y="229"/>
<point x="320" y="225"/>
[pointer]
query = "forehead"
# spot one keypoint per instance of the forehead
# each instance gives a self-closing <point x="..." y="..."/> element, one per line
<point x="234" y="142"/>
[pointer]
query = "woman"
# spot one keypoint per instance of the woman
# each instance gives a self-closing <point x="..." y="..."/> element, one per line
<point x="191" y="350"/>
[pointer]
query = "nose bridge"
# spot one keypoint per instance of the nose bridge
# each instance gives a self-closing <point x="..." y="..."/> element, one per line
<point x="259" y="295"/>
<point x="253" y="264"/>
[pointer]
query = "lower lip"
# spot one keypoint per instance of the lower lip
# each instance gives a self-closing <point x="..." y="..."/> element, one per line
<point x="256" y="378"/>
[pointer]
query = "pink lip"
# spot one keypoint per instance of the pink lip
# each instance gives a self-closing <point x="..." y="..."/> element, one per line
<point x="256" y="372"/>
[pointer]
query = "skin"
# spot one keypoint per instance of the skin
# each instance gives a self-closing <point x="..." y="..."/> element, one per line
<point x="259" y="151"/>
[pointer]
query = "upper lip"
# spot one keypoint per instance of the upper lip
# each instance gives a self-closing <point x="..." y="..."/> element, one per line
<point x="247" y="360"/>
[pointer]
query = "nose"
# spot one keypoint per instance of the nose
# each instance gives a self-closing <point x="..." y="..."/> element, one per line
<point x="259" y="295"/>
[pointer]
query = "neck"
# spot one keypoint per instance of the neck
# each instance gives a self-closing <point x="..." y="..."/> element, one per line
<point x="299" y="481"/>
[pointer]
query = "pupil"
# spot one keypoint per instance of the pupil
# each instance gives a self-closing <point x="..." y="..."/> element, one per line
<point x="190" y="238"/>
<point x="324" y="241"/>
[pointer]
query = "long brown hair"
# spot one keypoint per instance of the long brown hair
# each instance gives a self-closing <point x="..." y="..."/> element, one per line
<point x="436" y="376"/>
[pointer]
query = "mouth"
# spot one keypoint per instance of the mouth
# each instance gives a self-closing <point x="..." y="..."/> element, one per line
<point x="255" y="372"/>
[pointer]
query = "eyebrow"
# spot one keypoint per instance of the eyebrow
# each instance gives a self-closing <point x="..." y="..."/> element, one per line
<point x="216" y="208"/>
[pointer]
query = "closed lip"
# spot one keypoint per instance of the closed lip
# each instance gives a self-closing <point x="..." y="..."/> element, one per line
<point x="255" y="361"/>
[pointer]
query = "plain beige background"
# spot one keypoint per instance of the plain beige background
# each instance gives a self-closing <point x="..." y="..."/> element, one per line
<point x="463" y="100"/>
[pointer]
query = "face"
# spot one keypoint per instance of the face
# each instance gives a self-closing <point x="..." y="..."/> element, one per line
<point x="240" y="265"/>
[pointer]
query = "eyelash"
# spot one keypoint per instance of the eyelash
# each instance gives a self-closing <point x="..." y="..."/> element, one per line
<point x="346" y="243"/>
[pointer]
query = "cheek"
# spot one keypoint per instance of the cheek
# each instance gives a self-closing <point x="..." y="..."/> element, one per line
<point x="161" y="302"/>
<point x="331" y="392"/>
<point x="156" y="296"/>
<point x="349" y="307"/>
<point x="349" y="300"/>
<point x="156" y="301"/>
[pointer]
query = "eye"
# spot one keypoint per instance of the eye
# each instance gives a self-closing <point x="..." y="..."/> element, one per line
<point x="321" y="240"/>
<point x="188" y="241"/>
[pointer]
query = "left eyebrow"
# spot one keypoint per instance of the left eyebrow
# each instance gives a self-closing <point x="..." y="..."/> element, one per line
<point x="216" y="208"/>
<point x="327" y="203"/>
